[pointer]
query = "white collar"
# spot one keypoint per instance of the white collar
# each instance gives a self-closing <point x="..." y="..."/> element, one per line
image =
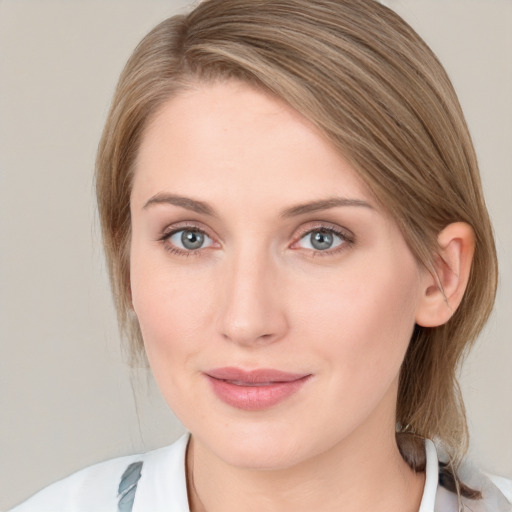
<point x="163" y="486"/>
<point x="428" y="499"/>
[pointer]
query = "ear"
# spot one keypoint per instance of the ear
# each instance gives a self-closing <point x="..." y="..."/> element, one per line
<point x="442" y="293"/>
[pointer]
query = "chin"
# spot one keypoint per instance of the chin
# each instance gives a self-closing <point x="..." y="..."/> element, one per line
<point x="259" y="447"/>
<point x="264" y="456"/>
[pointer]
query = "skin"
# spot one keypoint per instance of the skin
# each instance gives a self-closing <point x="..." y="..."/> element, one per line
<point x="257" y="294"/>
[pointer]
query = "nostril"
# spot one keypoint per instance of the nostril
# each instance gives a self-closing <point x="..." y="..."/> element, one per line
<point x="250" y="337"/>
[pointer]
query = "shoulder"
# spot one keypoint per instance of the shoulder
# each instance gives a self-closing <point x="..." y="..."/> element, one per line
<point x="496" y="494"/>
<point x="96" y="487"/>
<point x="504" y="485"/>
<point x="496" y="491"/>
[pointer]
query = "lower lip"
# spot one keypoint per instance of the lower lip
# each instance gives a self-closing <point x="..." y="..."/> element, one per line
<point x="255" y="397"/>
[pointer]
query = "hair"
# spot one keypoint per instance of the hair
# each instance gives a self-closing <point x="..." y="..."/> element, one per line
<point x="364" y="77"/>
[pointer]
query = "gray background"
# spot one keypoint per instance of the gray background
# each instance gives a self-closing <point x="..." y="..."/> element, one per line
<point x="67" y="397"/>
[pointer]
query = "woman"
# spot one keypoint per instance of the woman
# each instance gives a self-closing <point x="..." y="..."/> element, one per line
<point x="296" y="234"/>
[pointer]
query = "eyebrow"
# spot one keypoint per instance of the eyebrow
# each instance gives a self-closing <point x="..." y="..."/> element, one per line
<point x="323" y="204"/>
<point x="184" y="202"/>
<point x="205" y="209"/>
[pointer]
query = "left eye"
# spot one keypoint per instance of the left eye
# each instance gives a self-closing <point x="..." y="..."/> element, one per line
<point x="190" y="239"/>
<point x="320" y="240"/>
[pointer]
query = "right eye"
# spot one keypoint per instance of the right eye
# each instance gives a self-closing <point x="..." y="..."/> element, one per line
<point x="189" y="239"/>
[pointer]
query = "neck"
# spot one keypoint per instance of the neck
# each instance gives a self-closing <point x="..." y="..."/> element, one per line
<point x="356" y="475"/>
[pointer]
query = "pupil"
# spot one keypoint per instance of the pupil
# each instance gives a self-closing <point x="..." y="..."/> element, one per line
<point x="321" y="240"/>
<point x="192" y="239"/>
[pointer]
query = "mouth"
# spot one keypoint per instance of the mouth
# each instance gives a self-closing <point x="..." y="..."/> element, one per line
<point x="256" y="389"/>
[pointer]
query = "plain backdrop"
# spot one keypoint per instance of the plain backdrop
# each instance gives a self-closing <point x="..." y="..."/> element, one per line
<point x="67" y="397"/>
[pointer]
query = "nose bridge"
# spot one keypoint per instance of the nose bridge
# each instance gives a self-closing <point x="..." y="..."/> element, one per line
<point x="252" y="311"/>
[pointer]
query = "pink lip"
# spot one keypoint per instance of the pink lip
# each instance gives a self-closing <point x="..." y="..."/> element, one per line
<point x="256" y="389"/>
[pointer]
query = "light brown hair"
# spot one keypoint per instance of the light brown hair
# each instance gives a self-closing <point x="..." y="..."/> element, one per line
<point x="371" y="84"/>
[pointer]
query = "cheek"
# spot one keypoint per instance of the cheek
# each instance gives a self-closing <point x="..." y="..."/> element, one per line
<point x="363" y="319"/>
<point x="173" y="307"/>
<point x="174" y="311"/>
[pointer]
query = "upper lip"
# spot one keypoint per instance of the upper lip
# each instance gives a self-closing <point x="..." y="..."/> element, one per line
<point x="258" y="376"/>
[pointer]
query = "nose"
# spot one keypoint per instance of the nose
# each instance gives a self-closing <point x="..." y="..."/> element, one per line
<point x="253" y="309"/>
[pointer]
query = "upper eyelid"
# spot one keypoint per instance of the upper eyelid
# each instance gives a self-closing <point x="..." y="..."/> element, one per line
<point x="327" y="226"/>
<point x="172" y="229"/>
<point x="190" y="226"/>
<point x="296" y="235"/>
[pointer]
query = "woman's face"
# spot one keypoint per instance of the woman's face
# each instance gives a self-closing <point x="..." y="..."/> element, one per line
<point x="275" y="297"/>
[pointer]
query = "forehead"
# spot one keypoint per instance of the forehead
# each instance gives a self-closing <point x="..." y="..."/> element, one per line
<point x="229" y="141"/>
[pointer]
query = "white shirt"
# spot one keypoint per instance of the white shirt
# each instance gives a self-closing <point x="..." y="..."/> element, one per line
<point x="163" y="488"/>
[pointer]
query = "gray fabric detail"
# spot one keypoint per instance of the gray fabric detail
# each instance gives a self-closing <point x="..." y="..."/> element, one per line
<point x="128" y="486"/>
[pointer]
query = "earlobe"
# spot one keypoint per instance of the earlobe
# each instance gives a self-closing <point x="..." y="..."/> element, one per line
<point x="442" y="293"/>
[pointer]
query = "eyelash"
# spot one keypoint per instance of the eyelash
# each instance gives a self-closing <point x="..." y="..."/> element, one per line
<point x="347" y="239"/>
<point x="168" y="233"/>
